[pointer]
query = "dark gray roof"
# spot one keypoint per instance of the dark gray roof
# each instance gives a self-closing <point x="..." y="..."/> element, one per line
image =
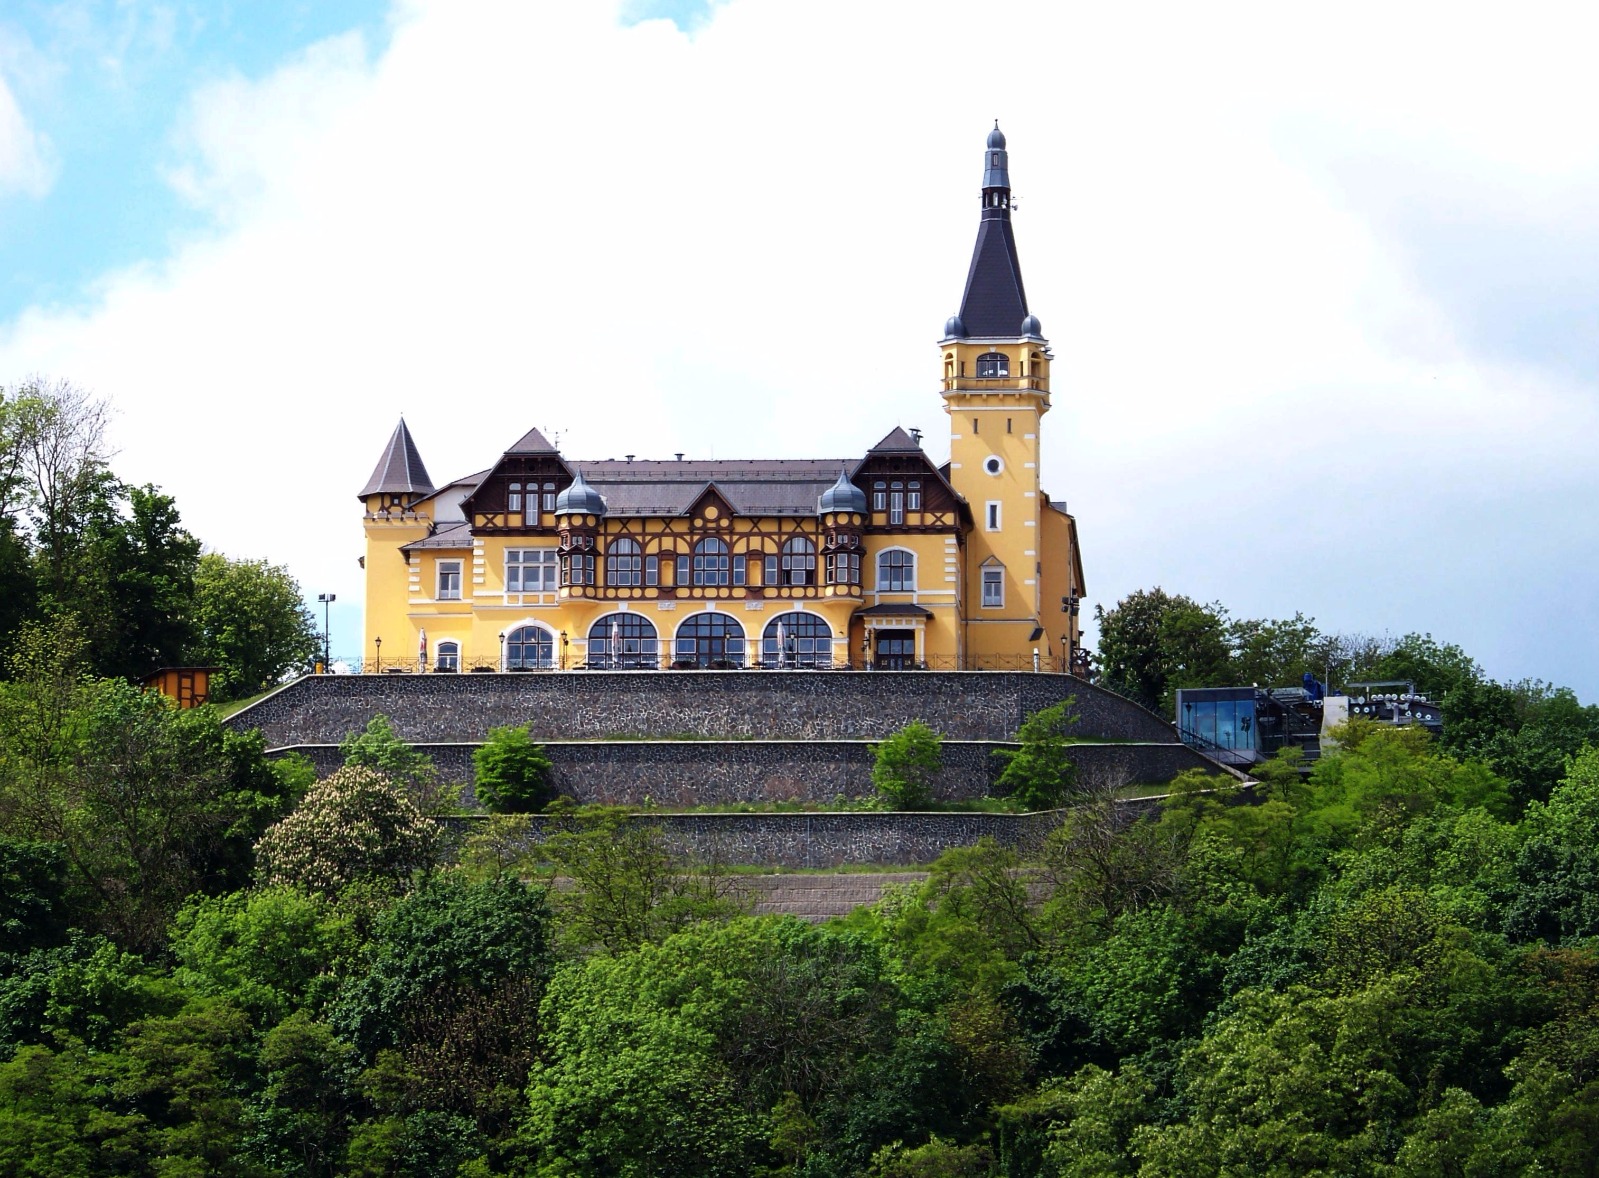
<point x="580" y="498"/>
<point x="842" y="496"/>
<point x="532" y="442"/>
<point x="896" y="441"/>
<point x="400" y="470"/>
<point x="894" y="611"/>
<point x="751" y="486"/>
<point x="995" y="303"/>
<point x="457" y="534"/>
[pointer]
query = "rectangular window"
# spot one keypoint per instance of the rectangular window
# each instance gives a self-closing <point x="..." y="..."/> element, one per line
<point x="993" y="515"/>
<point x="879" y="497"/>
<point x="530" y="570"/>
<point x="449" y="580"/>
<point x="549" y="496"/>
<point x="684" y="576"/>
<point x="769" y="575"/>
<point x="579" y="568"/>
<point x="896" y="504"/>
<point x="652" y="570"/>
<point x="993" y="587"/>
<point x="513" y="498"/>
<point x="740" y="564"/>
<point x="913" y="497"/>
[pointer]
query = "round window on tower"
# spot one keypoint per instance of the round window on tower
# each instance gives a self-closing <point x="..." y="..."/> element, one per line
<point x="993" y="464"/>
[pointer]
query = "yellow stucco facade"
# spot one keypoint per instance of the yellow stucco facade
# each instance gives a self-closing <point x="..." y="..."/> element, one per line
<point x="887" y="561"/>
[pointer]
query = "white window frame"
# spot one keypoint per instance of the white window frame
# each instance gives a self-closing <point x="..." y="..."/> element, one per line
<point x="548" y="565"/>
<point x="443" y="569"/>
<point x="993" y="517"/>
<point x="878" y="571"/>
<point x="447" y="655"/>
<point x="992" y="575"/>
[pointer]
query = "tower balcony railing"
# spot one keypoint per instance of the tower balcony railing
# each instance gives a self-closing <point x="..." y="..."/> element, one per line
<point x="984" y="384"/>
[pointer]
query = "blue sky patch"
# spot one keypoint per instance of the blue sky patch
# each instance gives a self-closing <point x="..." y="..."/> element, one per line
<point x="104" y="84"/>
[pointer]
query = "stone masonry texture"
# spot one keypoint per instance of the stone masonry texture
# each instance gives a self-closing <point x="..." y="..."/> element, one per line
<point x="699" y="773"/>
<point x="770" y="705"/>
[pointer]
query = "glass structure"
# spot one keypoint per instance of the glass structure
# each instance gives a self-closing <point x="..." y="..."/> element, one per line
<point x="1218" y="718"/>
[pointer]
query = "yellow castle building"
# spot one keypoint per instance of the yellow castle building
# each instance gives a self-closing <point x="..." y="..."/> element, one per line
<point x="884" y="562"/>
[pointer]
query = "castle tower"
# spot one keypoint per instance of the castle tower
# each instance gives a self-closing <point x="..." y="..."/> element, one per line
<point x="399" y="482"/>
<point x="996" y="390"/>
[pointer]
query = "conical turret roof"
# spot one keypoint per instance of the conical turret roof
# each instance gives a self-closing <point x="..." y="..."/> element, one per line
<point x="400" y="470"/>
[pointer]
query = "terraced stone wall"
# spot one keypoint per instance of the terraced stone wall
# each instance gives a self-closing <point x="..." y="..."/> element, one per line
<point x="706" y="705"/>
<point x="698" y="773"/>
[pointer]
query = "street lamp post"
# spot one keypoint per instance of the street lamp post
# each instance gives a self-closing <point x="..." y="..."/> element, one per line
<point x="327" y="599"/>
<point x="502" y="650"/>
<point x="378" y="642"/>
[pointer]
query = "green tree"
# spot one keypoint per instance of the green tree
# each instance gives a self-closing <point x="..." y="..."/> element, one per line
<point x="380" y="748"/>
<point x="446" y="1002"/>
<point x="269" y="950"/>
<point x="626" y="885"/>
<point x="1152" y="642"/>
<point x="252" y="623"/>
<point x="511" y="772"/>
<point x="905" y="765"/>
<point x="1274" y="653"/>
<point x="670" y="1059"/>
<point x="353" y="827"/>
<point x="1557" y="869"/>
<point x="1040" y="774"/>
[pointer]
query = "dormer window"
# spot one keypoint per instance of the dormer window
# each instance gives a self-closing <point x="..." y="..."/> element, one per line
<point x="993" y="364"/>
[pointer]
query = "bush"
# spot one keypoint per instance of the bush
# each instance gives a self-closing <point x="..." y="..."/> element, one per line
<point x="355" y="826"/>
<point x="512" y="772"/>
<point x="1040" y="774"/>
<point x="905" y="765"/>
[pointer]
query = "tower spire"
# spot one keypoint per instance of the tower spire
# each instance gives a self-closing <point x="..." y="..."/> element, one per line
<point x="994" y="304"/>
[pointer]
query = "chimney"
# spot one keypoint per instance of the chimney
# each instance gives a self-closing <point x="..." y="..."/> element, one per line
<point x="916" y="435"/>
<point x="629" y="457"/>
<point x="680" y="456"/>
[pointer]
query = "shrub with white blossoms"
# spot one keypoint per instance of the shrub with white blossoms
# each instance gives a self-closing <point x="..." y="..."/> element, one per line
<point x="355" y="826"/>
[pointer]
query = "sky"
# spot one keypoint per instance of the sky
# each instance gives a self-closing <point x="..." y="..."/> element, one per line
<point x="1323" y="293"/>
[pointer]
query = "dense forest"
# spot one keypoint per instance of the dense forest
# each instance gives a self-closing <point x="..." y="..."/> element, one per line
<point x="211" y="963"/>
<point x="77" y="541"/>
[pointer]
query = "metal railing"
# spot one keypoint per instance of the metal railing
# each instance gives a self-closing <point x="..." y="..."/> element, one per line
<point x="372" y="665"/>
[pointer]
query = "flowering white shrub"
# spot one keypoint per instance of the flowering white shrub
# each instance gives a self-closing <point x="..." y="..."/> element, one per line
<point x="355" y="826"/>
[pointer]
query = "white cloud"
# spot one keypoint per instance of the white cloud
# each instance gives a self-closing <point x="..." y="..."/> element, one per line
<point x="25" y="160"/>
<point x="745" y="242"/>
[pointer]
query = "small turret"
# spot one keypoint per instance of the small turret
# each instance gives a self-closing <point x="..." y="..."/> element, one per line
<point x="842" y="496"/>
<point x="399" y="471"/>
<point x="579" y="499"/>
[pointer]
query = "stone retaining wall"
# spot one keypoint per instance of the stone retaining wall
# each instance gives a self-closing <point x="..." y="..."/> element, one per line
<point x="831" y="839"/>
<point x="697" y="773"/>
<point x="791" y="705"/>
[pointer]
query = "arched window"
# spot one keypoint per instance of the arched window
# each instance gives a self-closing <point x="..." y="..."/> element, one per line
<point x="447" y="657"/>
<point x="709" y="640"/>
<point x="513" y="498"/>
<point x="529" y="648"/>
<point x="993" y="364"/>
<point x="797" y="640"/>
<point x="623" y="640"/>
<point x="712" y="564"/>
<point x="799" y="562"/>
<point x="624" y="563"/>
<point x="896" y="571"/>
<point x="549" y="495"/>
